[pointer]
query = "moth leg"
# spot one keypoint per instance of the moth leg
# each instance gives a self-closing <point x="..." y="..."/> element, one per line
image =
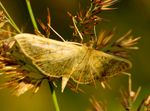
<point x="91" y="74"/>
<point x="77" y="85"/>
<point x="129" y="81"/>
<point x="104" y="83"/>
<point x="72" y="86"/>
<point x="132" y="95"/>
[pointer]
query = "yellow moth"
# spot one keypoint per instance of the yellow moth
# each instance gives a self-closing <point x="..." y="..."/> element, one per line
<point x="66" y="60"/>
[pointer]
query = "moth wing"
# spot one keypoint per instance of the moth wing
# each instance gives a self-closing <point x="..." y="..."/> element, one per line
<point x="113" y="65"/>
<point x="98" y="66"/>
<point x="57" y="59"/>
<point x="51" y="57"/>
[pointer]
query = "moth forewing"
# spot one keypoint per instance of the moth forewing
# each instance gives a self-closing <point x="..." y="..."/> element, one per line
<point x="52" y="58"/>
<point x="65" y="59"/>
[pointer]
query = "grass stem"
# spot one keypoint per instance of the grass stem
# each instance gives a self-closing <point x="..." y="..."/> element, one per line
<point x="54" y="97"/>
<point x="52" y="89"/>
<point x="10" y="19"/>
<point x="31" y="15"/>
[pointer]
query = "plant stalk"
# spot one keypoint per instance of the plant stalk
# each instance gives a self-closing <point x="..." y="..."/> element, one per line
<point x="31" y="15"/>
<point x="54" y="97"/>
<point x="52" y="89"/>
<point x="10" y="19"/>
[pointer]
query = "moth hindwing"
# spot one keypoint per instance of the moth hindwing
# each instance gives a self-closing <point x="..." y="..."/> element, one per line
<point x="65" y="59"/>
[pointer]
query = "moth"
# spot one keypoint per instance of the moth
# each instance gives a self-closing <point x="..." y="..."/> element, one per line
<point x="66" y="60"/>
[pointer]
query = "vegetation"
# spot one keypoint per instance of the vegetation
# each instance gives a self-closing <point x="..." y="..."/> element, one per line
<point x="84" y="35"/>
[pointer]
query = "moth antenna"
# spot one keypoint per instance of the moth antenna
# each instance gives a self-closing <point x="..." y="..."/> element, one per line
<point x="64" y="83"/>
<point x="129" y="81"/>
<point x="80" y="35"/>
<point x="79" y="80"/>
<point x="56" y="33"/>
<point x="92" y="76"/>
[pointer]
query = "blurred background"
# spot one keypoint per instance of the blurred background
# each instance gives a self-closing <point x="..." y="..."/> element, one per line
<point x="130" y="14"/>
